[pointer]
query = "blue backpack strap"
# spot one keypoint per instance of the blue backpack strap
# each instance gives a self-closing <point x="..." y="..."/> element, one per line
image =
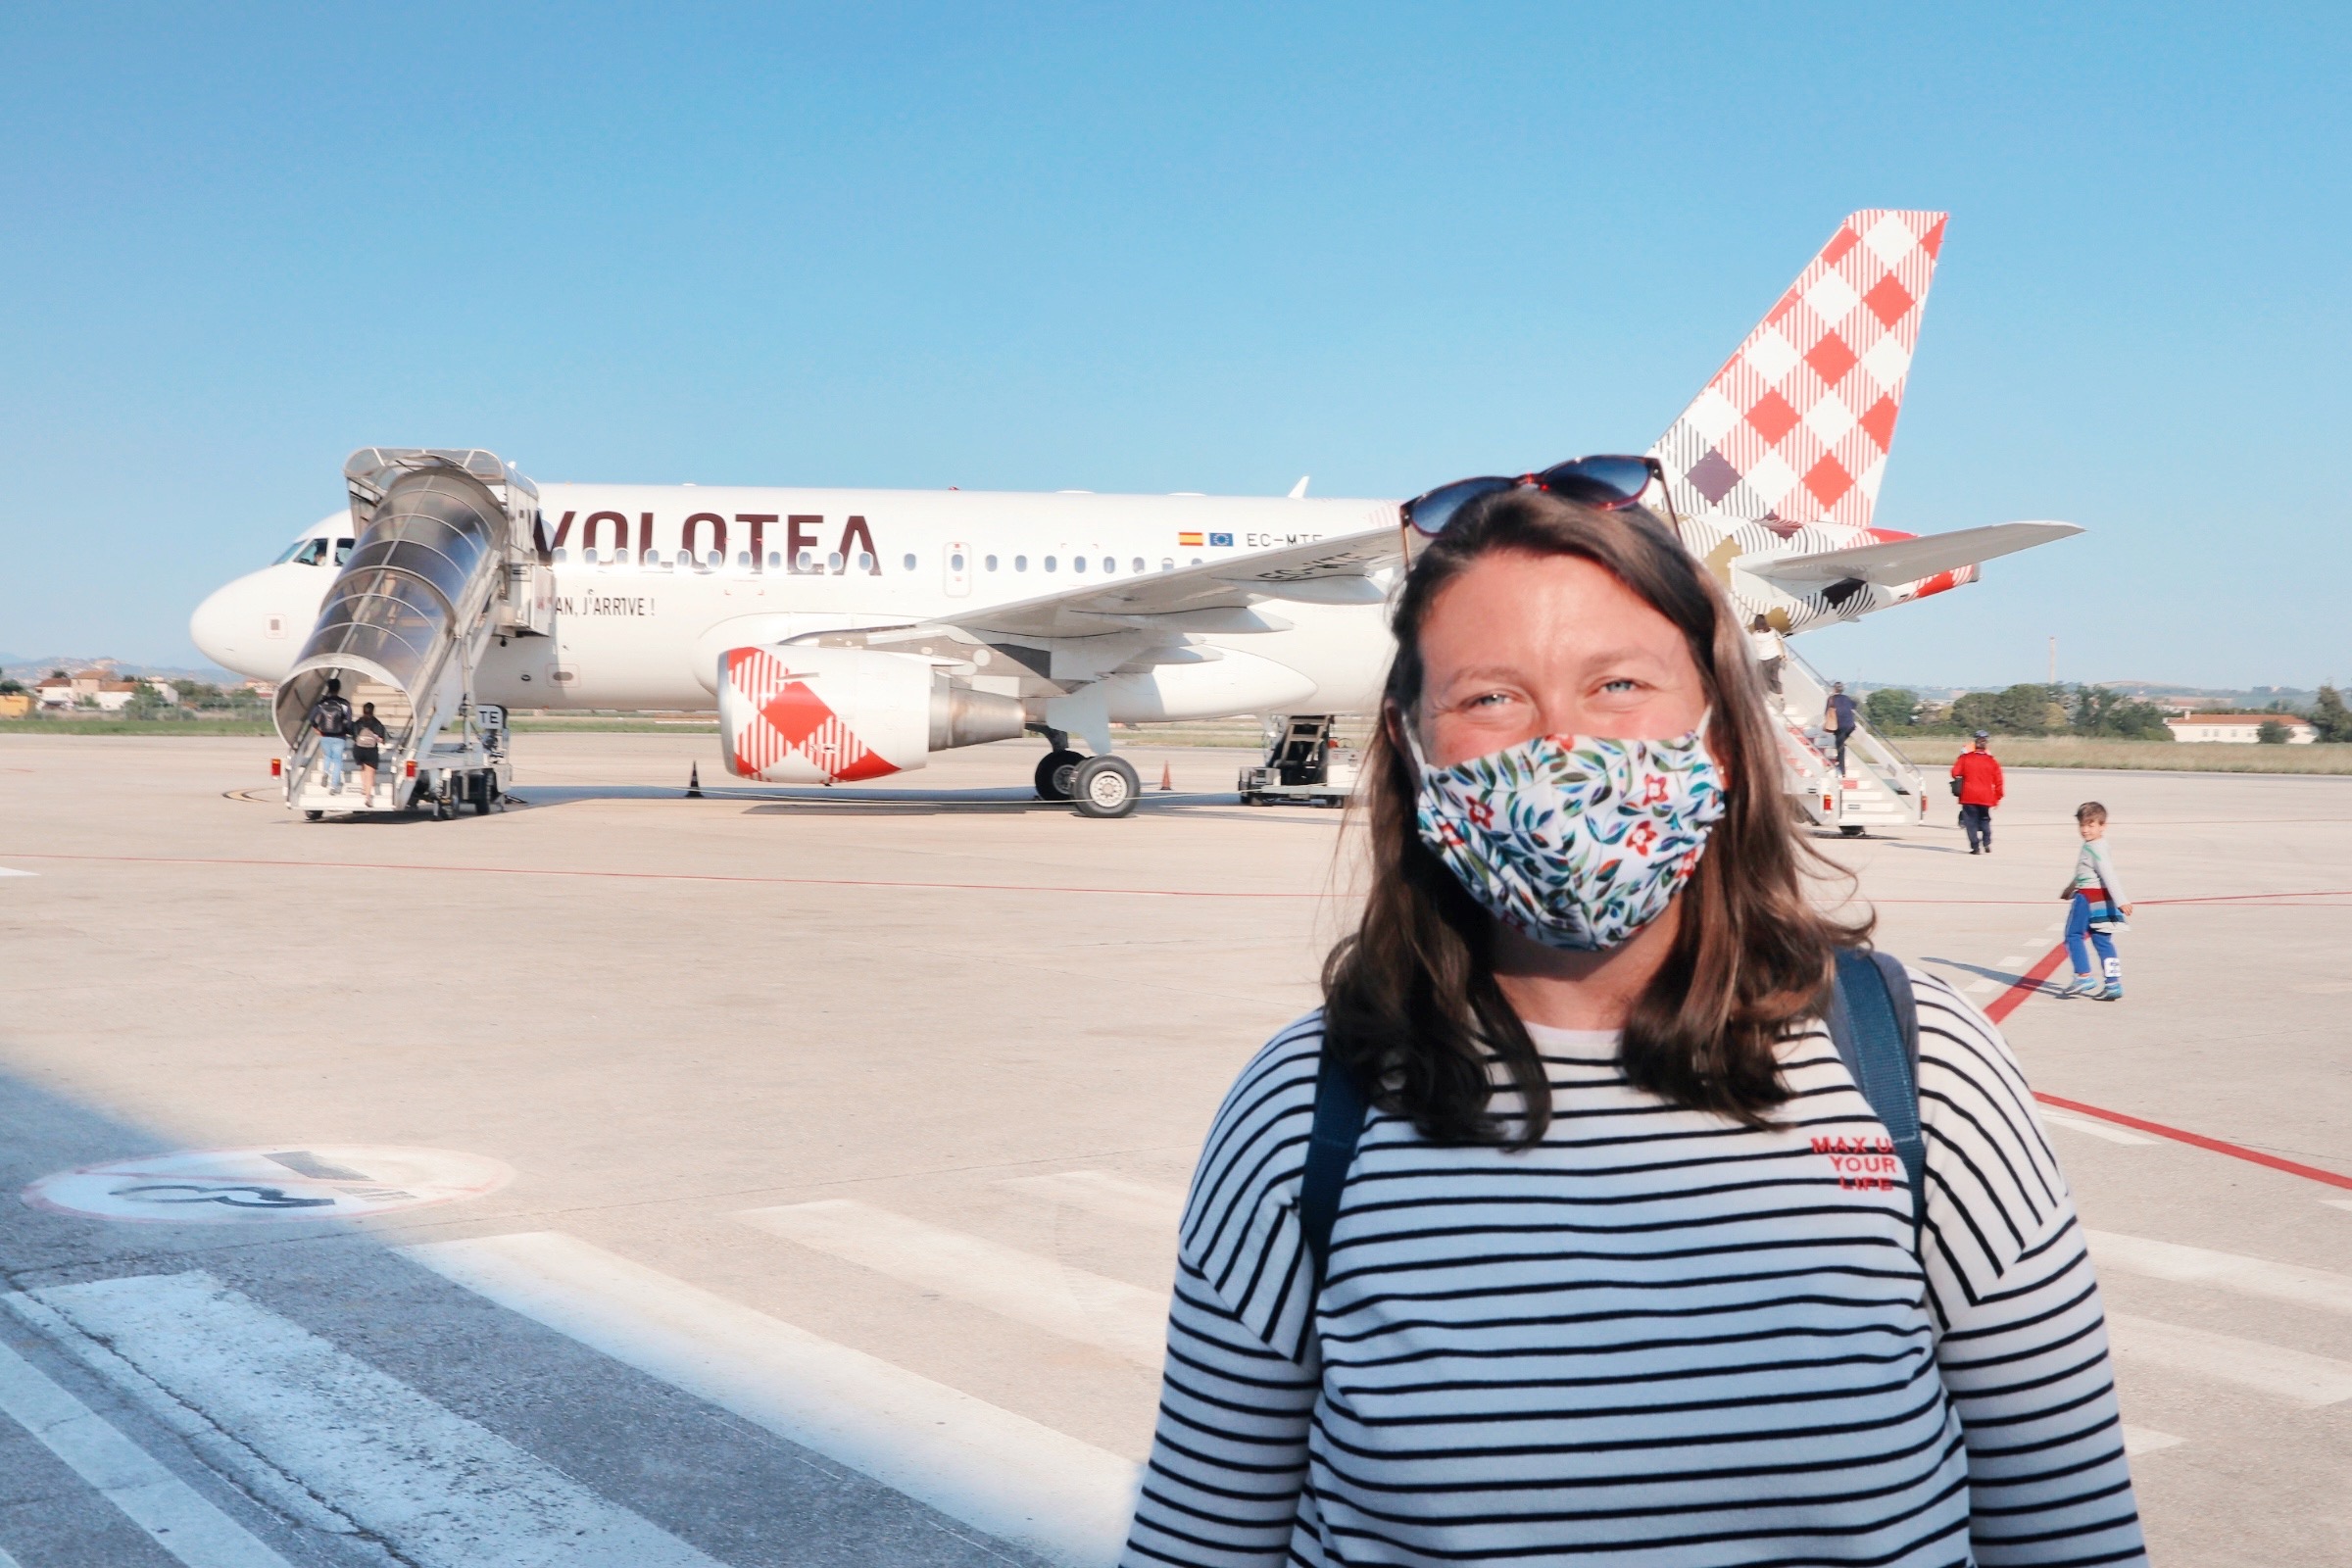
<point x="1330" y="1151"/>
<point x="1874" y="1023"/>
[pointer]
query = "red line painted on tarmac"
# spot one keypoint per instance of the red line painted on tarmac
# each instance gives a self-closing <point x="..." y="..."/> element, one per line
<point x="2010" y="999"/>
<point x="2178" y="1135"/>
<point x="664" y="876"/>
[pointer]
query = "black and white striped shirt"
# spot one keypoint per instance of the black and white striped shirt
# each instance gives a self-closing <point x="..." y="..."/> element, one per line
<point x="1656" y="1338"/>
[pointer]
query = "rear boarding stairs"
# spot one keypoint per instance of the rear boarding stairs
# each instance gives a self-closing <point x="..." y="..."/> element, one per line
<point x="445" y="564"/>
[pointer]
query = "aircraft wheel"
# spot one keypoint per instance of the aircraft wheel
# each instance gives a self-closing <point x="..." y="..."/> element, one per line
<point x="1057" y="775"/>
<point x="1105" y="786"/>
<point x="314" y="816"/>
<point x="1852" y="832"/>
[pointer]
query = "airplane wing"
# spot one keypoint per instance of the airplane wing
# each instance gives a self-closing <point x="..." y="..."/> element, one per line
<point x="1215" y="597"/>
<point x="1903" y="561"/>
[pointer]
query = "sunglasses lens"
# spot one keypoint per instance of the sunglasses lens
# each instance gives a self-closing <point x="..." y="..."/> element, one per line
<point x="1598" y="481"/>
<point x="1430" y="513"/>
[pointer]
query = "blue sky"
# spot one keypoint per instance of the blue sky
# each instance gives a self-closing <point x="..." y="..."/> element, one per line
<point x="1179" y="248"/>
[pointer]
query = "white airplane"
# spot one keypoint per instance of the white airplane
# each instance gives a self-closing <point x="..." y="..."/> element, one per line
<point x="846" y="634"/>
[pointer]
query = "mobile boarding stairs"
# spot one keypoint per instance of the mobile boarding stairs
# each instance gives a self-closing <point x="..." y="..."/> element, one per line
<point x="445" y="563"/>
<point x="1878" y="788"/>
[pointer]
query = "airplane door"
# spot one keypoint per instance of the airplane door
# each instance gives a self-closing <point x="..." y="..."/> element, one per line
<point x="958" y="559"/>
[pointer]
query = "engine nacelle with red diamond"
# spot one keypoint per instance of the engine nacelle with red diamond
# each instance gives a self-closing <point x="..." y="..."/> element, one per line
<point x="792" y="714"/>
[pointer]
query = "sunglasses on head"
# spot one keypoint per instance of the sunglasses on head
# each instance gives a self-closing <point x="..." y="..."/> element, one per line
<point x="1605" y="484"/>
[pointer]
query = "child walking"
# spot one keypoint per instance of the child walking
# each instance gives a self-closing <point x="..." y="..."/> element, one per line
<point x="2099" y="910"/>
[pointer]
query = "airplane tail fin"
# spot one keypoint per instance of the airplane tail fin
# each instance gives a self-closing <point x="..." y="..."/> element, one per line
<point x="1795" y="426"/>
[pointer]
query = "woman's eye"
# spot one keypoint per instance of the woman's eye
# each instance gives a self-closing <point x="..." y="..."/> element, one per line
<point x="1626" y="685"/>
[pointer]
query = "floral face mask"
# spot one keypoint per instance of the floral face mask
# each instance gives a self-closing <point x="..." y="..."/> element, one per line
<point x="1577" y="841"/>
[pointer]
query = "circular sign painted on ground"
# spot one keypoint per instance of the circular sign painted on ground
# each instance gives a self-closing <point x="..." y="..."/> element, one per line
<point x="269" y="1185"/>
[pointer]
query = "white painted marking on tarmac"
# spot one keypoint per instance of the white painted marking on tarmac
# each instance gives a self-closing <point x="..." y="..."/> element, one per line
<point x="2338" y="1202"/>
<point x="1115" y="1197"/>
<point x="439" y="1488"/>
<point x="2094" y="1128"/>
<point x="2147" y="1439"/>
<point x="10" y="870"/>
<point x="2284" y="1374"/>
<point x="1983" y="985"/>
<point x="269" y="1184"/>
<point x="2248" y="1276"/>
<point x="2014" y="961"/>
<point x="1001" y="1473"/>
<point x="167" y="1508"/>
<point x="1044" y="1292"/>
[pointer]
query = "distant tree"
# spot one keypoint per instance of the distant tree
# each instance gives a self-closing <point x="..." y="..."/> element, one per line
<point x="59" y="674"/>
<point x="2102" y="711"/>
<point x="2329" y="716"/>
<point x="150" y="703"/>
<point x="10" y="688"/>
<point x="2272" y="733"/>
<point x="1890" y="707"/>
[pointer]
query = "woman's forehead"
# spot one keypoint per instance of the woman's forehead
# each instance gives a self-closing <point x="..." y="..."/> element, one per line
<point x="1512" y="605"/>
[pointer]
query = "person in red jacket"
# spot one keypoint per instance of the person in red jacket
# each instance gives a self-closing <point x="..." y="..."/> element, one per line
<point x="1980" y="774"/>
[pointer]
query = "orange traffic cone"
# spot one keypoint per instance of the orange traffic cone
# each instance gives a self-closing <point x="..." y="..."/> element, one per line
<point x="694" y="781"/>
<point x="1167" y="777"/>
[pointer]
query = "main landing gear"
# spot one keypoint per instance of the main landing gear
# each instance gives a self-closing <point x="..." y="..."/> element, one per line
<point x="1098" y="785"/>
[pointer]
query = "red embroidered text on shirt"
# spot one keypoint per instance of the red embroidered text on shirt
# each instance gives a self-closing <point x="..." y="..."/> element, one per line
<point x="1862" y="1164"/>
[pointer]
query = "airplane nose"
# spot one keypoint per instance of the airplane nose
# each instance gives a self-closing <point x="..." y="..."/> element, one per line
<point x="214" y="626"/>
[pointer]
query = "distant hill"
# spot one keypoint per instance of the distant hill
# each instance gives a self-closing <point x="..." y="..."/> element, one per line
<point x="18" y="667"/>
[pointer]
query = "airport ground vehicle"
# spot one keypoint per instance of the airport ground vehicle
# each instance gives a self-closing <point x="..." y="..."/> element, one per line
<point x="1302" y="766"/>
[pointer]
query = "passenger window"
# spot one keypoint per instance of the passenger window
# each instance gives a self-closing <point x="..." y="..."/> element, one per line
<point x="743" y="558"/>
<point x="833" y="563"/>
<point x="865" y="561"/>
<point x="1020" y="562"/>
<point x="806" y="560"/>
<point x="910" y="563"/>
<point x="589" y="555"/>
<point x="343" y="549"/>
<point x="1109" y="565"/>
<point x="1077" y="563"/>
<point x="1139" y="563"/>
<point x="1165" y="565"/>
<point x="1195" y="560"/>
<point x="561" y="556"/>
<point x="775" y="561"/>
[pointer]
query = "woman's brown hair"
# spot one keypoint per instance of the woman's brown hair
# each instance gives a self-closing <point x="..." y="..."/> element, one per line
<point x="1410" y="998"/>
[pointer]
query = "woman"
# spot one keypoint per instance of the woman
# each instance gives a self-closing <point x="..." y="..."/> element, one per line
<point x="1594" y="1291"/>
<point x="368" y="738"/>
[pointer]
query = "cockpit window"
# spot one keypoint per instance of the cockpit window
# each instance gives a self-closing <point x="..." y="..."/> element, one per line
<point x="309" y="552"/>
<point x="343" y="549"/>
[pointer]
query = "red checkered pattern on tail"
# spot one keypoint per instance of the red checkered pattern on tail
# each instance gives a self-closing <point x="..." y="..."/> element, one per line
<point x="786" y="716"/>
<point x="1795" y="428"/>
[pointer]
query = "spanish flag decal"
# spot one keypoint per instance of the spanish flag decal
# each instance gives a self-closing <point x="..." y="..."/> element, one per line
<point x="1191" y="539"/>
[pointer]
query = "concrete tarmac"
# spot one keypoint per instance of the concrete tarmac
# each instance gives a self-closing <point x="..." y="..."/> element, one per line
<point x="846" y="1129"/>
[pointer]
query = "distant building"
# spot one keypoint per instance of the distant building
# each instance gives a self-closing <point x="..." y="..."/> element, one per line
<point x="2239" y="729"/>
<point x="15" y="704"/>
<point x="55" y="691"/>
<point x="114" y="696"/>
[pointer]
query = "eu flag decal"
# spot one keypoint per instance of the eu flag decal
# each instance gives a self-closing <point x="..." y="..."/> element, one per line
<point x="1223" y="539"/>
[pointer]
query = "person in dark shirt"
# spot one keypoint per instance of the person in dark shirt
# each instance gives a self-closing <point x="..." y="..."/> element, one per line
<point x="331" y="717"/>
<point x="1838" y="719"/>
<point x="368" y="737"/>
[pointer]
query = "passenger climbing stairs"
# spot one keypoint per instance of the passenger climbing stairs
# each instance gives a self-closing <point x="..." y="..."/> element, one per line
<point x="1878" y="786"/>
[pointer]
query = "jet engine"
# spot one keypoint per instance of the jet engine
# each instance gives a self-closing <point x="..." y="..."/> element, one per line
<point x="791" y="714"/>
